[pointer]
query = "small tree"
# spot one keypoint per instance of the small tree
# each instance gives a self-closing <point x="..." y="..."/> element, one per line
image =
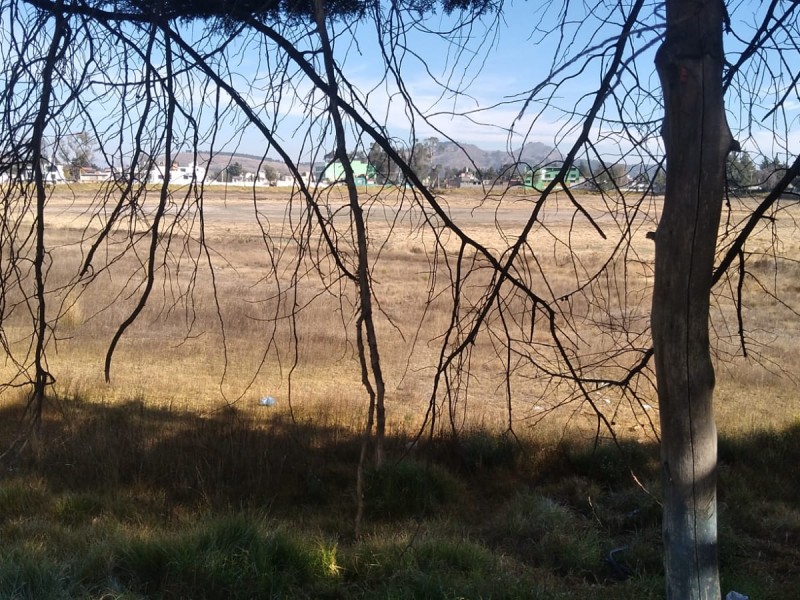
<point x="741" y="170"/>
<point x="270" y="173"/>
<point x="76" y="151"/>
<point x="610" y="177"/>
<point x="233" y="170"/>
<point x="385" y="168"/>
<point x="421" y="160"/>
<point x="770" y="172"/>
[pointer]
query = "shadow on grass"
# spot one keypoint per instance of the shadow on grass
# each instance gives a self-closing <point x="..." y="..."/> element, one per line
<point x="226" y="459"/>
<point x="160" y="503"/>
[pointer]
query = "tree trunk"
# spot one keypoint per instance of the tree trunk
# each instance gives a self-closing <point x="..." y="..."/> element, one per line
<point x="697" y="141"/>
<point x="369" y="355"/>
<point x="43" y="378"/>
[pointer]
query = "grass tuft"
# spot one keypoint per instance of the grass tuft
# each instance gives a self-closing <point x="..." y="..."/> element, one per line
<point x="453" y="556"/>
<point x="78" y="509"/>
<point x="29" y="576"/>
<point x="230" y="557"/>
<point x="539" y="530"/>
<point x="409" y="488"/>
<point x="485" y="450"/>
<point x="22" y="496"/>
<point x="612" y="466"/>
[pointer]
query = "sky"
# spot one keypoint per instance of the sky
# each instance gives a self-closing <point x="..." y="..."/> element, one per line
<point x="492" y="67"/>
<point x="499" y="60"/>
<point x="472" y="83"/>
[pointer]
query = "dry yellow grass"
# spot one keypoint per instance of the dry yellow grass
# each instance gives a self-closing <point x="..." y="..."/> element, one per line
<point x="174" y="354"/>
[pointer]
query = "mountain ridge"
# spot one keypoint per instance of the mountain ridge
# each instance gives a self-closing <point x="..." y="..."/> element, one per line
<point x="463" y="155"/>
<point x="445" y="155"/>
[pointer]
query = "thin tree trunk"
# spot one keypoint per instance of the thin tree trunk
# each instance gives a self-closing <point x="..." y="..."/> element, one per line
<point x="43" y="378"/>
<point x="369" y="355"/>
<point x="697" y="141"/>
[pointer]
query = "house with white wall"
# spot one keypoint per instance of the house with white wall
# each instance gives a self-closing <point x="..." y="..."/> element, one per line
<point x="94" y="176"/>
<point x="178" y="175"/>
<point x="51" y="172"/>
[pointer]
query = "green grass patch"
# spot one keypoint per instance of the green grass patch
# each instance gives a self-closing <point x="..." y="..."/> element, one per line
<point x="233" y="557"/>
<point x="225" y="507"/>
<point x="26" y="576"/>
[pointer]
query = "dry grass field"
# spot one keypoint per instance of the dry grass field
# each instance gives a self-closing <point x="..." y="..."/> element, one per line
<point x="172" y="481"/>
<point x="282" y="325"/>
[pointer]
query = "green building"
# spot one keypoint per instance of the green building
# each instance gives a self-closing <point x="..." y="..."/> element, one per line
<point x="363" y="172"/>
<point x="543" y="176"/>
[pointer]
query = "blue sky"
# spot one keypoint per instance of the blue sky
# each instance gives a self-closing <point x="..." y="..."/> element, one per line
<point x="492" y="68"/>
<point x="520" y="51"/>
<point x="493" y="65"/>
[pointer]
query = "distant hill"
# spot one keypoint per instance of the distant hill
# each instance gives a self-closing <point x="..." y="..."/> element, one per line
<point x="446" y="155"/>
<point x="451" y="155"/>
<point x="250" y="162"/>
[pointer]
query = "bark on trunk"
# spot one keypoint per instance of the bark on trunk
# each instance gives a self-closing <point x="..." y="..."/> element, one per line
<point x="697" y="141"/>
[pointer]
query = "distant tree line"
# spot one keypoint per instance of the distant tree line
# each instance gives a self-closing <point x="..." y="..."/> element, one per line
<point x="744" y="173"/>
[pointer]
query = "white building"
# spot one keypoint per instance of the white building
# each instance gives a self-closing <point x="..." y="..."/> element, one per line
<point x="51" y="173"/>
<point x="92" y="176"/>
<point x="288" y="179"/>
<point x="469" y="179"/>
<point x="177" y="175"/>
<point x="247" y="177"/>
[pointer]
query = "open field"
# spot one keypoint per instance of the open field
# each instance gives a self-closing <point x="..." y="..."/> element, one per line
<point x="255" y="264"/>
<point x="175" y="353"/>
<point x="173" y="481"/>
